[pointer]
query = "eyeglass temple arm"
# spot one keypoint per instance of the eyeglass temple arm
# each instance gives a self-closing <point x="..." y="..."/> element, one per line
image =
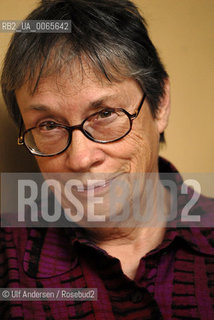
<point x="20" y="140"/>
<point x="134" y="115"/>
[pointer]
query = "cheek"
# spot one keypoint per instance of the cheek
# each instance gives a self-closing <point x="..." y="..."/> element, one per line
<point x="142" y="149"/>
<point x="49" y="164"/>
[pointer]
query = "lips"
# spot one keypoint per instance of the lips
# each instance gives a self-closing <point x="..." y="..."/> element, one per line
<point x="98" y="183"/>
<point x="91" y="185"/>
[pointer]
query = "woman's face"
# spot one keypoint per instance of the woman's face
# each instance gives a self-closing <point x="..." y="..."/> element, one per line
<point x="69" y="100"/>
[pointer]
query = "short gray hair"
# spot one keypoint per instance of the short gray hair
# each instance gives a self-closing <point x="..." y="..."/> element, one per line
<point x="111" y="34"/>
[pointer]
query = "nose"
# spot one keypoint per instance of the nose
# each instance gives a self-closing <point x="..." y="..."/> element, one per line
<point x="83" y="154"/>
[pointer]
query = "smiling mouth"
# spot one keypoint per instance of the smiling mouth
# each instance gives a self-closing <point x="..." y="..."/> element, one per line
<point x="96" y="185"/>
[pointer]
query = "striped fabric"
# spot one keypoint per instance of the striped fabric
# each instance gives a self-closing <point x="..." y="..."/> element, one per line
<point x="174" y="281"/>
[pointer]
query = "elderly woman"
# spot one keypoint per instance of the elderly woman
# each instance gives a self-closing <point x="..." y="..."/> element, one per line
<point x="94" y="103"/>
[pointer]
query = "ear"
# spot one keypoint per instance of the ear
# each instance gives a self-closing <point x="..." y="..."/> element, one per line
<point x="163" y="111"/>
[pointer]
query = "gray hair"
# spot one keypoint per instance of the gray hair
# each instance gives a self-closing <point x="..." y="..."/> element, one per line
<point x="111" y="34"/>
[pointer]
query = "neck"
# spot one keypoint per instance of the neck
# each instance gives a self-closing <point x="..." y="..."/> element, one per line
<point x="130" y="231"/>
<point x="147" y="238"/>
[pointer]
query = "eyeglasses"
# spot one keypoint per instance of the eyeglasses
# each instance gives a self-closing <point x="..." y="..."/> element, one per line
<point x="50" y="138"/>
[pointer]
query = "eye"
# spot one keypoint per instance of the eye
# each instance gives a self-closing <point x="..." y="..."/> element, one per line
<point x="106" y="113"/>
<point x="104" y="117"/>
<point x="48" y="125"/>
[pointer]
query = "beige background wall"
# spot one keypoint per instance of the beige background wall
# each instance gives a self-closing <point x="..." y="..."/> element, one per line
<point x="183" y="31"/>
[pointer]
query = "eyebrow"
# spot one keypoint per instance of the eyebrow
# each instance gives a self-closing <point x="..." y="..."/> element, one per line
<point x="92" y="105"/>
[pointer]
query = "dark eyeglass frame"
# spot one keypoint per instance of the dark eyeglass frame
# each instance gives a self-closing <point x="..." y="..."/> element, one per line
<point x="70" y="129"/>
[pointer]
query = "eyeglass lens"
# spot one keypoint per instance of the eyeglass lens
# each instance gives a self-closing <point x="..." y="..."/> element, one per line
<point x="104" y="126"/>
